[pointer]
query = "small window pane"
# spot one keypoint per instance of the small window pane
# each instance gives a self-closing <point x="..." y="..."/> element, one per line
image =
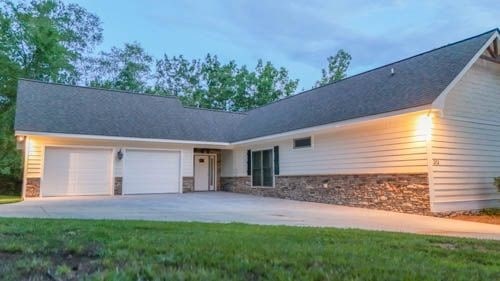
<point x="301" y="143"/>
<point x="267" y="167"/>
<point x="256" y="168"/>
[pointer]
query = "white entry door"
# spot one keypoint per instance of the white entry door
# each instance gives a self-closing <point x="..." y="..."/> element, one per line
<point x="76" y="171"/>
<point x="204" y="172"/>
<point x="151" y="171"/>
<point x="201" y="173"/>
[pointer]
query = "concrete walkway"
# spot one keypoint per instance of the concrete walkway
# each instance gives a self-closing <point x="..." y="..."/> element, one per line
<point x="231" y="207"/>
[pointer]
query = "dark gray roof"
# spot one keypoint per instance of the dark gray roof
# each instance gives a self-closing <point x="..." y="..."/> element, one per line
<point x="418" y="80"/>
<point x="55" y="108"/>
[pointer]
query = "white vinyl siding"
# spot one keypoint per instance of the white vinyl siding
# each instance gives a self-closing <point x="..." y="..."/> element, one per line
<point x="34" y="160"/>
<point x="392" y="145"/>
<point x="466" y="143"/>
<point x="35" y="152"/>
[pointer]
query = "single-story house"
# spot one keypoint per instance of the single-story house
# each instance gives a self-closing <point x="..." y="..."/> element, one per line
<point x="418" y="135"/>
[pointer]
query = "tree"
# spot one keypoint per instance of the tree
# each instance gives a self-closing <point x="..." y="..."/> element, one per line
<point x="43" y="40"/>
<point x="127" y="68"/>
<point x="337" y="68"/>
<point x="209" y="83"/>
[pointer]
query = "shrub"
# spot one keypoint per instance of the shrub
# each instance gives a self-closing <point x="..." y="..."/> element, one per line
<point x="10" y="185"/>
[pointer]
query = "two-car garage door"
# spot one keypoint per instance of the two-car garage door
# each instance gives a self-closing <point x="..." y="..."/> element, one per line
<point x="89" y="171"/>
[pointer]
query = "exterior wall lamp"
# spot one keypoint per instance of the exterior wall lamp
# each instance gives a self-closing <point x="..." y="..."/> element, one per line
<point x="119" y="154"/>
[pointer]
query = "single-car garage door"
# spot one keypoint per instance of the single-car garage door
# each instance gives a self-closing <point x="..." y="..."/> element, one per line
<point x="151" y="171"/>
<point x="76" y="171"/>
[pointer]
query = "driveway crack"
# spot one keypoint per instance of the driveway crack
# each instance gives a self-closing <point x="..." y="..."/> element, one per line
<point x="46" y="213"/>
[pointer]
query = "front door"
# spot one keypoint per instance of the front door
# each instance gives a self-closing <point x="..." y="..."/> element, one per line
<point x="204" y="172"/>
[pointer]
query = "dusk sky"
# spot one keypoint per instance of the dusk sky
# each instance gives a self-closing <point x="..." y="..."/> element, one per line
<point x="298" y="35"/>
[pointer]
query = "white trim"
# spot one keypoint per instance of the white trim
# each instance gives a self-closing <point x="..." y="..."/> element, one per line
<point x="430" y="171"/>
<point x="472" y="120"/>
<point x="215" y="169"/>
<point x="25" y="167"/>
<point x="104" y="148"/>
<point x="98" y="137"/>
<point x="112" y="174"/>
<point x="42" y="169"/>
<point x="181" y="168"/>
<point x="229" y="145"/>
<point x="355" y="121"/>
<point x="440" y="100"/>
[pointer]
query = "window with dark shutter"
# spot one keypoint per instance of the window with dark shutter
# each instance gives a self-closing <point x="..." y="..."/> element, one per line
<point x="276" y="160"/>
<point x="249" y="162"/>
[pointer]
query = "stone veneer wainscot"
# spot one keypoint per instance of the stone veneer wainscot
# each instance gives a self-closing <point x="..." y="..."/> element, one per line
<point x="408" y="193"/>
<point x="118" y="186"/>
<point x="187" y="184"/>
<point x="32" y="187"/>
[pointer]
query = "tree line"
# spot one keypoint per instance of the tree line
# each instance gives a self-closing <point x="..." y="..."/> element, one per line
<point x="52" y="41"/>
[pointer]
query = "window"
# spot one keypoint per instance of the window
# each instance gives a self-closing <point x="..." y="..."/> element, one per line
<point x="262" y="168"/>
<point x="302" y="142"/>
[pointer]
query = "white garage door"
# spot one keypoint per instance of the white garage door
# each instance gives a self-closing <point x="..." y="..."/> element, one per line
<point x="151" y="171"/>
<point x="76" y="171"/>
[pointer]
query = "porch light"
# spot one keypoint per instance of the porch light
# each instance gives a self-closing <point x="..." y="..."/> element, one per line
<point x="119" y="154"/>
<point x="20" y="138"/>
<point x="425" y="127"/>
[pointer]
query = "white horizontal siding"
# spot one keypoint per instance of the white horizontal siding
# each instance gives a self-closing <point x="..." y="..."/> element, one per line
<point x="393" y="145"/>
<point x="35" y="159"/>
<point x="476" y="96"/>
<point x="466" y="142"/>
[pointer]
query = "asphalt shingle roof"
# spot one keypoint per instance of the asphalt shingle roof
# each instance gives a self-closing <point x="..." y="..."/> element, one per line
<point x="54" y="108"/>
<point x="418" y="80"/>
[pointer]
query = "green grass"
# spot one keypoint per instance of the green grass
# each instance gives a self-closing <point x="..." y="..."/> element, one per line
<point x="42" y="249"/>
<point x="6" y="199"/>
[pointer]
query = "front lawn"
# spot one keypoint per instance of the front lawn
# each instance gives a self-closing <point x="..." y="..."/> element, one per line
<point x="42" y="249"/>
<point x="5" y="199"/>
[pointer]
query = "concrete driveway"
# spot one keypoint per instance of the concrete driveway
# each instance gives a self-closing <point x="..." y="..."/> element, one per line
<point x="232" y="207"/>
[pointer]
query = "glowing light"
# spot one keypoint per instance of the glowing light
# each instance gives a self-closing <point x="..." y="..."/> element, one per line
<point x="20" y="138"/>
<point x="424" y="127"/>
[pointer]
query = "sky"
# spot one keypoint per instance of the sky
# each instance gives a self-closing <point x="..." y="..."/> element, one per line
<point x="298" y="35"/>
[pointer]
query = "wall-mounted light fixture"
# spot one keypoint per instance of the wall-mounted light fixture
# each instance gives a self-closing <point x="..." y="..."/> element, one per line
<point x="20" y="138"/>
<point x="424" y="127"/>
<point x="119" y="154"/>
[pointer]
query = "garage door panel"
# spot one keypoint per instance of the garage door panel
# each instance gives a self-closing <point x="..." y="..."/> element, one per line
<point x="76" y="171"/>
<point x="151" y="172"/>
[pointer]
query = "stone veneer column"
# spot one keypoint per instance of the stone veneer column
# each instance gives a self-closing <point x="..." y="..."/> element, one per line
<point x="187" y="184"/>
<point x="32" y="187"/>
<point x="408" y="193"/>
<point x="118" y="187"/>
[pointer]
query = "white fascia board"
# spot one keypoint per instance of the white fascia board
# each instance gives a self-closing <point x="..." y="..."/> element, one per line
<point x="227" y="145"/>
<point x="98" y="137"/>
<point x="439" y="101"/>
<point x="330" y="126"/>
